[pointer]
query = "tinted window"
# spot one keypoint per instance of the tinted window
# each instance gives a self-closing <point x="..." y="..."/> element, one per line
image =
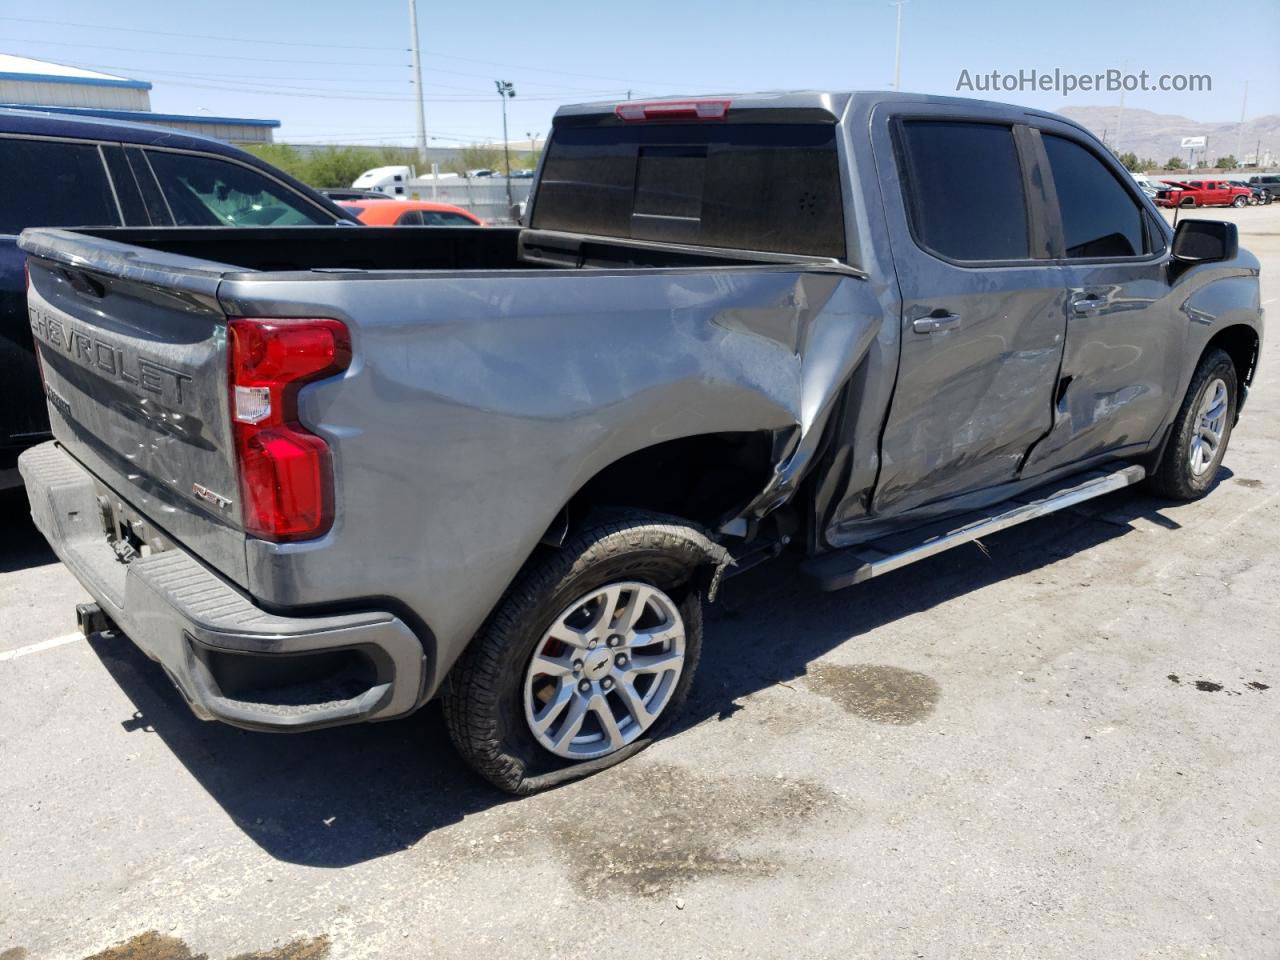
<point x="203" y="191"/>
<point x="410" y="218"/>
<point x="964" y="191"/>
<point x="772" y="187"/>
<point x="51" y="183"/>
<point x="443" y="218"/>
<point x="1099" y="216"/>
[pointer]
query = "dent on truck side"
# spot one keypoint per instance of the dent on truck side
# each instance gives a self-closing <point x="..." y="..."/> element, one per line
<point x="1214" y="299"/>
<point x="477" y="405"/>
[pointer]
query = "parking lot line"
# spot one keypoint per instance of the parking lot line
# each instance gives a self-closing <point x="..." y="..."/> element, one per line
<point x="42" y="645"/>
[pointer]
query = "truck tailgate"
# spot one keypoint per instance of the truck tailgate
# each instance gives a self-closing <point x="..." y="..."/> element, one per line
<point x="133" y="347"/>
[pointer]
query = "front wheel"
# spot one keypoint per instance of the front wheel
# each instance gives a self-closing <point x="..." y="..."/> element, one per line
<point x="588" y="656"/>
<point x="1201" y="431"/>
<point x="1240" y="201"/>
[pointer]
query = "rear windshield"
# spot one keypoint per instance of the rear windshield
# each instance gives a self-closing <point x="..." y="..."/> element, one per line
<point x="771" y="187"/>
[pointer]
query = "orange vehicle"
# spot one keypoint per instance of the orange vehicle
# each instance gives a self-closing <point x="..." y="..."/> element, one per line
<point x="414" y="213"/>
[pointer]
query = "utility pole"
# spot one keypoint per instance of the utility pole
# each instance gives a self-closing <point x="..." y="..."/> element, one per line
<point x="417" y="83"/>
<point x="506" y="90"/>
<point x="1240" y="133"/>
<point x="897" y="48"/>
<point x="1119" y="119"/>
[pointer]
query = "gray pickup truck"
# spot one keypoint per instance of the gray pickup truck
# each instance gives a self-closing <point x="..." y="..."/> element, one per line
<point x="322" y="476"/>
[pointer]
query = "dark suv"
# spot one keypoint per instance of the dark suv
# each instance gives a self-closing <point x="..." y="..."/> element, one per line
<point x="1269" y="182"/>
<point x="60" y="171"/>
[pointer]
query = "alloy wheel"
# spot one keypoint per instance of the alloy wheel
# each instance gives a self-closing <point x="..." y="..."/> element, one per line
<point x="605" y="670"/>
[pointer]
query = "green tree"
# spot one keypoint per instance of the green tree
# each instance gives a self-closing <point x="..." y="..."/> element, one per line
<point x="1130" y="161"/>
<point x="478" y="156"/>
<point x="1148" y="163"/>
<point x="1174" y="163"/>
<point x="338" y="166"/>
<point x="1226" y="163"/>
<point x="281" y="156"/>
<point x="527" y="159"/>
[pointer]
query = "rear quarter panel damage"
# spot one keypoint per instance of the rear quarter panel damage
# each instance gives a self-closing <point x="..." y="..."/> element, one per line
<point x="477" y="405"/>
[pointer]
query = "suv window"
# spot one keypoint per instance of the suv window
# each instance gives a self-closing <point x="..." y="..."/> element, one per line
<point x="963" y="185"/>
<point x="746" y="186"/>
<point x="52" y="183"/>
<point x="205" y="191"/>
<point x="1100" y="218"/>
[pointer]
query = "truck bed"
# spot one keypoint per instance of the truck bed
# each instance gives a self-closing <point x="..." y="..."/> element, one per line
<point x="293" y="249"/>
<point x="481" y="357"/>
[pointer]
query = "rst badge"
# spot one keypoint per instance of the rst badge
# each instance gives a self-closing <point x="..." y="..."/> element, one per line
<point x="208" y="496"/>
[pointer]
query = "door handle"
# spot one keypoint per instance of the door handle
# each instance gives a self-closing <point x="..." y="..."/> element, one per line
<point x="937" y="321"/>
<point x="1088" y="304"/>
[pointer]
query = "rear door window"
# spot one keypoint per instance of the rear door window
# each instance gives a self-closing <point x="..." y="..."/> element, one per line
<point x="749" y="186"/>
<point x="963" y="185"/>
<point x="205" y="191"/>
<point x="53" y="183"/>
<point x="1100" y="218"/>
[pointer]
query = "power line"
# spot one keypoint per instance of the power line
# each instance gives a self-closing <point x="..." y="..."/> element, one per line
<point x="187" y="54"/>
<point x="220" y="56"/>
<point x="287" y="43"/>
<point x="167" y="33"/>
<point x="358" y="95"/>
<point x="257" y="76"/>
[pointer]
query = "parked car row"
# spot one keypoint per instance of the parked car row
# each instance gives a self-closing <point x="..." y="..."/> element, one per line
<point x="62" y="171"/>
<point x="1209" y="193"/>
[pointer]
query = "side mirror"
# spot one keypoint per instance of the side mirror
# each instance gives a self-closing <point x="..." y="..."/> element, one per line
<point x="1205" y="241"/>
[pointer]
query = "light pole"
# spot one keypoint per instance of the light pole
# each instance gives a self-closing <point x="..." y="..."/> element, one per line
<point x="533" y="145"/>
<point x="506" y="90"/>
<point x="897" y="48"/>
<point x="417" y="83"/>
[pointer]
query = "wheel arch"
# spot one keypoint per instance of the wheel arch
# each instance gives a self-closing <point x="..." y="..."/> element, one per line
<point x="1240" y="342"/>
<point x="706" y="478"/>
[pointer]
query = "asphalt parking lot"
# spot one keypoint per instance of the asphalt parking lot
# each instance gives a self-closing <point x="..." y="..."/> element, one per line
<point x="1060" y="744"/>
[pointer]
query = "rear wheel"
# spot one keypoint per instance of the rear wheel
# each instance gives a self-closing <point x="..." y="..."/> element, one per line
<point x="590" y="654"/>
<point x="1201" y="431"/>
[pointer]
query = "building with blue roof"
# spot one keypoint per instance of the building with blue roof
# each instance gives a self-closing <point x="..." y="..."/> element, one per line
<point x="60" y="88"/>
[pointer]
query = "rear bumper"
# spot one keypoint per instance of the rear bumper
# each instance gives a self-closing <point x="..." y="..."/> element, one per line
<point x="230" y="659"/>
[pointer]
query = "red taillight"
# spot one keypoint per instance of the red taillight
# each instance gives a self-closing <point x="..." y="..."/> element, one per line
<point x="632" y="111"/>
<point x="286" y="476"/>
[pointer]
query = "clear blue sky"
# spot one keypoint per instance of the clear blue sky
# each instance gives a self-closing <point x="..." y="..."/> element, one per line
<point x="339" y="71"/>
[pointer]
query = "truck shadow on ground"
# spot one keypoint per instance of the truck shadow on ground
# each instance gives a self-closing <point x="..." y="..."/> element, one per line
<point x="337" y="797"/>
<point x="23" y="545"/>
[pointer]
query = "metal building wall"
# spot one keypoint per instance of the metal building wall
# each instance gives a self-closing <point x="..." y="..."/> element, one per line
<point x="38" y="93"/>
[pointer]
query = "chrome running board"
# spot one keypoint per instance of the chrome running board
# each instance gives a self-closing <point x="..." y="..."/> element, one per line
<point x="843" y="568"/>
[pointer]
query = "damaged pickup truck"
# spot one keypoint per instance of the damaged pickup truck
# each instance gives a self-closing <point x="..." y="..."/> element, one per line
<point x="322" y="476"/>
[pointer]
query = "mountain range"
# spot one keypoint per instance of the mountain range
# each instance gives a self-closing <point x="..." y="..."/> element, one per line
<point x="1158" y="136"/>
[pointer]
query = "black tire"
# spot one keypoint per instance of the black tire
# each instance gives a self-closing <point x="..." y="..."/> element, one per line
<point x="1174" y="477"/>
<point x="484" y="695"/>
<point x="1240" y="201"/>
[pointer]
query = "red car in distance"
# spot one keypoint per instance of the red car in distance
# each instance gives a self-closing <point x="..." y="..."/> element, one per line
<point x="1202" y="193"/>
<point x="411" y="213"/>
